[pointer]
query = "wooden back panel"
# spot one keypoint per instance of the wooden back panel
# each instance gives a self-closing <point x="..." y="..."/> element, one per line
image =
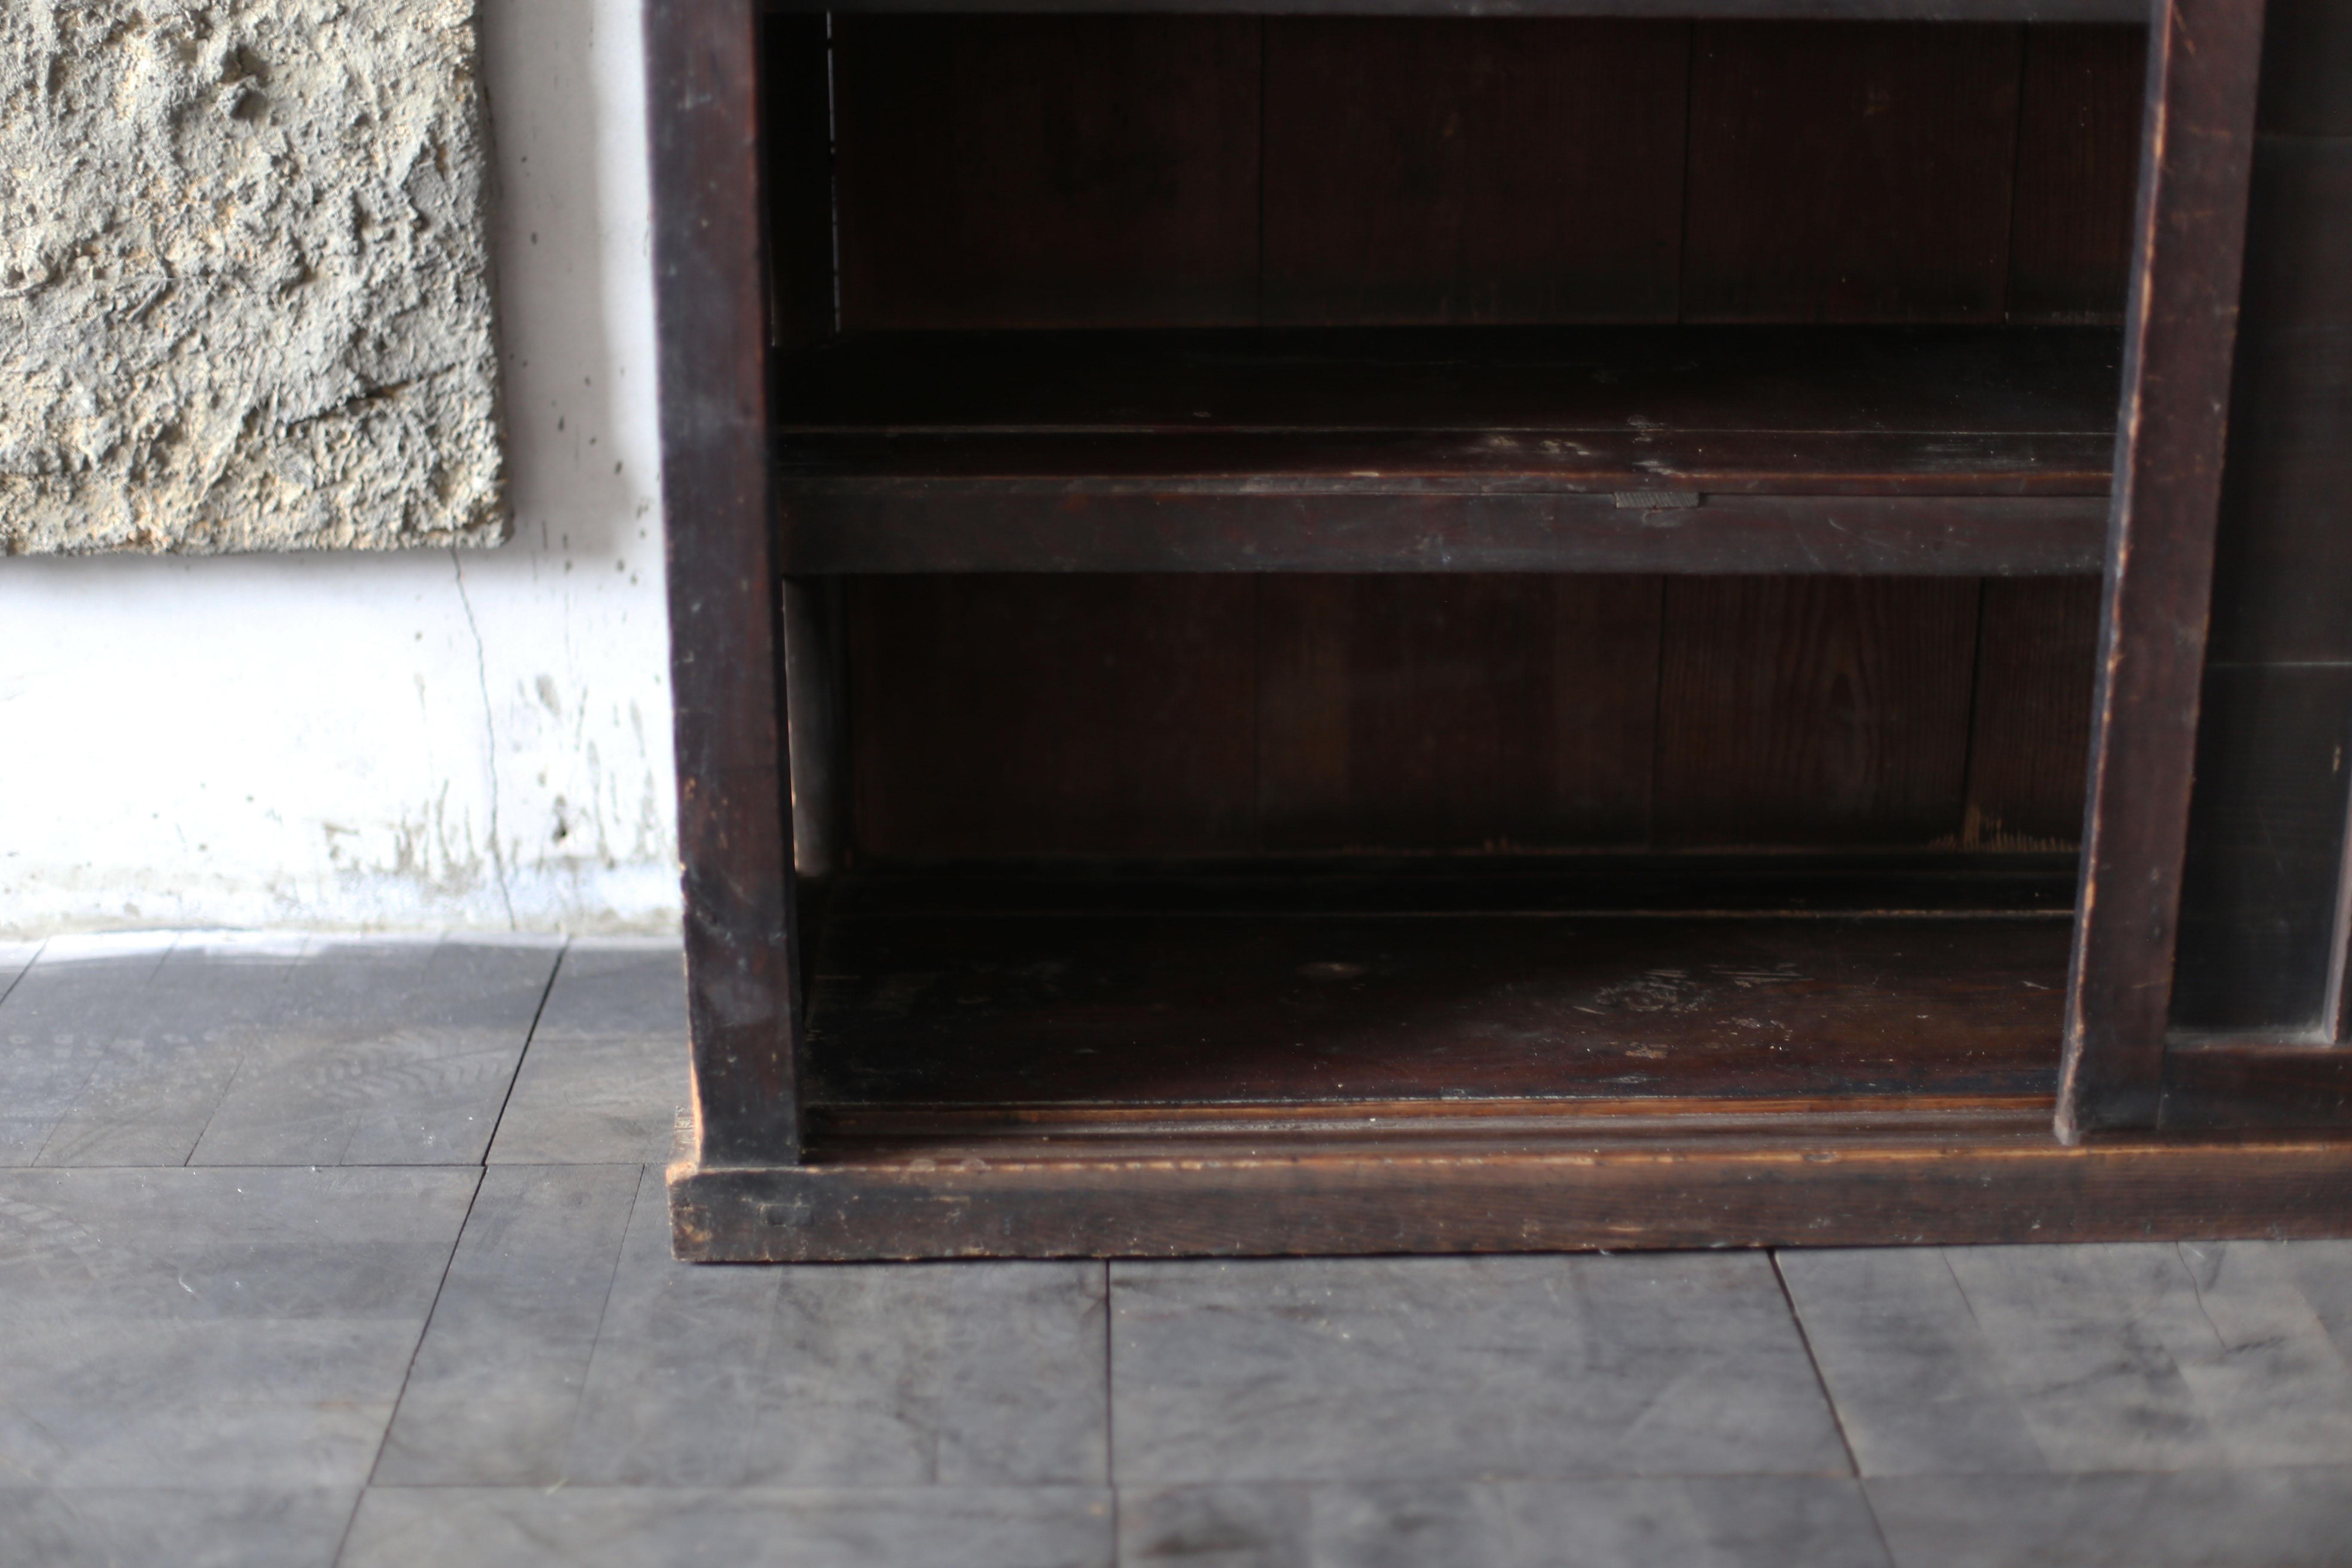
<point x="1188" y="171"/>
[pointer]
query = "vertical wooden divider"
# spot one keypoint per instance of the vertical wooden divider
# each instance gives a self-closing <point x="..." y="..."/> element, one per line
<point x="734" y="832"/>
<point x="2179" y="337"/>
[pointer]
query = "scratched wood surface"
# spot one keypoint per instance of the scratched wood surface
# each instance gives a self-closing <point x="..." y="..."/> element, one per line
<point x="2262" y="934"/>
<point x="2189" y="246"/>
<point x="1150" y="1009"/>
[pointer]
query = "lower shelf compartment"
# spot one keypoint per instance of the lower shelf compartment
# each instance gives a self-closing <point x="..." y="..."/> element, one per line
<point x="951" y="1007"/>
<point x="1617" y="1052"/>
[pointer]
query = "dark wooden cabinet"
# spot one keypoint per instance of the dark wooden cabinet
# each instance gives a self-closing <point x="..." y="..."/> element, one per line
<point x="1434" y="628"/>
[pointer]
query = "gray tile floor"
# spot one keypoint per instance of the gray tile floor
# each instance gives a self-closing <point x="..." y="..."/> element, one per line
<point x="324" y="1252"/>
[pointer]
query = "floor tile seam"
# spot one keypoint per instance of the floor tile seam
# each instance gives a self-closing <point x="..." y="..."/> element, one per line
<point x="829" y="1489"/>
<point x="228" y="1085"/>
<point x="259" y="1040"/>
<point x="18" y="979"/>
<point x="97" y="1060"/>
<point x="1488" y="1479"/>
<point x="1110" y="1393"/>
<point x="596" y="1336"/>
<point x="1822" y="1381"/>
<point x="50" y="1134"/>
<point x="1996" y="1363"/>
<point x="352" y="1516"/>
<point x="2197" y="1290"/>
<point x="2107" y="1473"/>
<point x="522" y="1057"/>
<point x="409" y="1370"/>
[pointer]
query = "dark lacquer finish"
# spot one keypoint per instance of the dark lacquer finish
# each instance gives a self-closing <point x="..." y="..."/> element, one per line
<point x="1398" y="189"/>
<point x="1048" y="170"/>
<point x="2180" y="333"/>
<point x="2127" y="11"/>
<point x="1455" y="712"/>
<point x="1843" y="173"/>
<point x="1217" y="713"/>
<point x="1396" y="633"/>
<point x="734" y="835"/>
<point x="2030" y="722"/>
<point x="1814" y="710"/>
<point x="1783" y="1180"/>
<point x="2257" y="1083"/>
<point x="1293" y="1009"/>
<point x="2262" y="930"/>
<point x="1939" y="451"/>
<point x="2077" y="162"/>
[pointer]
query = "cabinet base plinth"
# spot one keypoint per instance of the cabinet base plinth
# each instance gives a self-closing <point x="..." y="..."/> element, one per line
<point x="1991" y="1177"/>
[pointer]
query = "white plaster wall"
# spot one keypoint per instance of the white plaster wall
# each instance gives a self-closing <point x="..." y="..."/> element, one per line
<point x="442" y="738"/>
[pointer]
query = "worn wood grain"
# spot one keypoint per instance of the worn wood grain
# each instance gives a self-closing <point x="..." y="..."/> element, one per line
<point x="1260" y="1195"/>
<point x="1458" y="714"/>
<point x="1814" y="710"/>
<point x="2261" y="883"/>
<point x="2306" y="60"/>
<point x="1293" y="1010"/>
<point x="1048" y="170"/>
<point x="734" y="835"/>
<point x="898" y="526"/>
<point x="1434" y="449"/>
<point x="1053" y="715"/>
<point x="2180" y="336"/>
<point x="2123" y="11"/>
<point x="1400" y="186"/>
<point x="2282" y="559"/>
<point x="1840" y="172"/>
<point x="2077" y="163"/>
<point x="2029" y="733"/>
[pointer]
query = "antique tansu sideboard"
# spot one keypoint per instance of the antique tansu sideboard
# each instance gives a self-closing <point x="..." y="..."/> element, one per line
<point x="1398" y="626"/>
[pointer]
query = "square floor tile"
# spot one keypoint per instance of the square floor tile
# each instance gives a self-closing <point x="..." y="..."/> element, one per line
<point x="116" y="1528"/>
<point x="677" y="1374"/>
<point x="1780" y="1521"/>
<point x="2245" y="1518"/>
<point x="141" y="1045"/>
<point x="606" y="1072"/>
<point x="1381" y="1369"/>
<point x="385" y="1053"/>
<point x="2026" y="1359"/>
<point x="591" y="1527"/>
<point x="242" y="1329"/>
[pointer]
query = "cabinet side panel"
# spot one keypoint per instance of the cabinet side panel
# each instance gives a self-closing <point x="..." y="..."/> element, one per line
<point x="734" y="837"/>
<point x="2180" y="334"/>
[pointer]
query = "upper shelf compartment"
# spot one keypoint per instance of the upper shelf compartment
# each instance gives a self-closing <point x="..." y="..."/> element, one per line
<point x="1815" y="10"/>
<point x="1702" y="449"/>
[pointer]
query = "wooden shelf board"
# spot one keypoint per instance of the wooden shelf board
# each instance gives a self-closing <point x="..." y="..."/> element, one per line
<point x="2117" y="11"/>
<point x="1284" y="1003"/>
<point x="1957" y="450"/>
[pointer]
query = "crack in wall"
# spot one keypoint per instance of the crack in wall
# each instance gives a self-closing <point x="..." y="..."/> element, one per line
<point x="490" y="730"/>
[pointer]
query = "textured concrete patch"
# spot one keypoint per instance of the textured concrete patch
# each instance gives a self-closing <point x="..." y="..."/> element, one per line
<point x="244" y="292"/>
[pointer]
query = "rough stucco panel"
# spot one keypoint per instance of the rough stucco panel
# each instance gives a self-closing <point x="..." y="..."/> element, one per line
<point x="245" y="290"/>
